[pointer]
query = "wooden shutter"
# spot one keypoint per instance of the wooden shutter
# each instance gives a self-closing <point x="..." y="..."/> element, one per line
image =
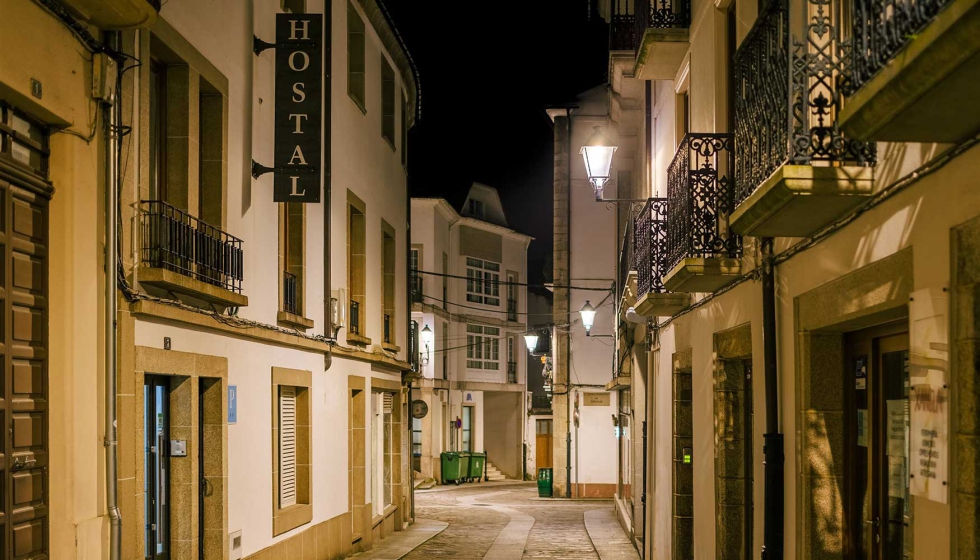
<point x="287" y="446"/>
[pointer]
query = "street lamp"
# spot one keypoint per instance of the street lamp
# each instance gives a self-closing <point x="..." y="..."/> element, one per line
<point x="531" y="341"/>
<point x="598" y="153"/>
<point x="427" y="341"/>
<point x="588" y="316"/>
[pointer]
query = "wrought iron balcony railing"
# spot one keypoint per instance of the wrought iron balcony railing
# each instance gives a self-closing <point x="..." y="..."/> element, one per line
<point x="540" y="402"/>
<point x="511" y="309"/>
<point x="661" y="14"/>
<point x="176" y="241"/>
<point x="626" y="260"/>
<point x="700" y="196"/>
<point x="650" y="247"/>
<point x="511" y="372"/>
<point x="880" y="29"/>
<point x="788" y="86"/>
<point x="290" y="303"/>
<point x="622" y="28"/>
<point x="416" y="287"/>
<point x="355" y="317"/>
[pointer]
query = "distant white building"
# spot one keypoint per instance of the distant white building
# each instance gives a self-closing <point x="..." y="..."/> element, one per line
<point x="468" y="290"/>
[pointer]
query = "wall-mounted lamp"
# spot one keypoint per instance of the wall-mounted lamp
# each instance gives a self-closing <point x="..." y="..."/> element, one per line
<point x="598" y="154"/>
<point x="588" y="317"/>
<point x="531" y="341"/>
<point x="426" y="343"/>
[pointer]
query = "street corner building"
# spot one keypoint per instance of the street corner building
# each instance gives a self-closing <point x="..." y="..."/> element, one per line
<point x="208" y="343"/>
<point x="469" y="276"/>
<point x="790" y="189"/>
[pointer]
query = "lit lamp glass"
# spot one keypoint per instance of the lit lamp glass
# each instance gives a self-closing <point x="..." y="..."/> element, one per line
<point x="598" y="154"/>
<point x="427" y="342"/>
<point x="588" y="316"/>
<point x="531" y="341"/>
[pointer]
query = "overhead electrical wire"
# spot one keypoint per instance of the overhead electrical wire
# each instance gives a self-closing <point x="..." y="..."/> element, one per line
<point x="508" y="283"/>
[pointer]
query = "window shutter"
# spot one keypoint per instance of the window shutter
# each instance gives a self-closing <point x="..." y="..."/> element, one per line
<point x="287" y="446"/>
<point x="387" y="402"/>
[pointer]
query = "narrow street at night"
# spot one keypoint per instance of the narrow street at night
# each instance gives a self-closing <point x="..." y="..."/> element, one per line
<point x="507" y="521"/>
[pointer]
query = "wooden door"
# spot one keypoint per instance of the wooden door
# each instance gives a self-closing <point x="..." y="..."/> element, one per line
<point x="543" y="445"/>
<point x="23" y="351"/>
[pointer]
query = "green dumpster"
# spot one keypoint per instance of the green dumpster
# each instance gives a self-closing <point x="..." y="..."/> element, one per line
<point x="451" y="467"/>
<point x="464" y="466"/>
<point x="544" y="483"/>
<point x="477" y="460"/>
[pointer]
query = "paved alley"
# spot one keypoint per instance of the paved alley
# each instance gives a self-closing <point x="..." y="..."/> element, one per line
<point x="505" y="522"/>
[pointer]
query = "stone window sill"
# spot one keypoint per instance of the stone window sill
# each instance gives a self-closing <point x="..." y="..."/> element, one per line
<point x="358" y="339"/>
<point x="291" y="517"/>
<point x="391" y="347"/>
<point x="297" y="322"/>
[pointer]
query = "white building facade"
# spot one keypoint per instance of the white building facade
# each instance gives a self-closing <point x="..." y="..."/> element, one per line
<point x="469" y="291"/>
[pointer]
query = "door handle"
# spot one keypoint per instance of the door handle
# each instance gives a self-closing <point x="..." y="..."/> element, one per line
<point x="23" y="464"/>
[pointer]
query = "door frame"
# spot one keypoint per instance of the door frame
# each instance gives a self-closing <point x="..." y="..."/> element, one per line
<point x="150" y="413"/>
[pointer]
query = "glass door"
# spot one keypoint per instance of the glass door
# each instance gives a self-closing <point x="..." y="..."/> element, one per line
<point x="156" y="465"/>
<point x="878" y="512"/>
<point x="467" y="428"/>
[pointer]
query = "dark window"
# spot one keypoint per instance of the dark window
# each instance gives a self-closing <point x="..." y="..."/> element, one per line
<point x="387" y="102"/>
<point x="158" y="131"/>
<point x="404" y="130"/>
<point x="23" y="140"/>
<point x="293" y="6"/>
<point x="355" y="57"/>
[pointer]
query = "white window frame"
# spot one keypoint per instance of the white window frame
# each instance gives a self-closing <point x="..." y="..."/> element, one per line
<point x="482" y="282"/>
<point x="482" y="348"/>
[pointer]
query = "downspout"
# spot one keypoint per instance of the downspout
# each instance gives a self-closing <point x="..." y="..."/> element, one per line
<point x="328" y="331"/>
<point x="568" y="346"/>
<point x="113" y="143"/>
<point x="772" y="546"/>
<point x="651" y="325"/>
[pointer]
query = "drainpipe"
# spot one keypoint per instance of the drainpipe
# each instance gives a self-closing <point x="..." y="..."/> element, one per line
<point x="113" y="143"/>
<point x="772" y="545"/>
<point x="568" y="345"/>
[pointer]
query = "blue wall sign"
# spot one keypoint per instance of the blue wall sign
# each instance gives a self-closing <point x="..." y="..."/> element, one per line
<point x="232" y="404"/>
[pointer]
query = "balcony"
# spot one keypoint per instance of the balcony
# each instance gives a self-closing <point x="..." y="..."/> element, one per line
<point x="703" y="254"/>
<point x="183" y="255"/>
<point x="416" y="280"/>
<point x="915" y="71"/>
<point x="354" y="335"/>
<point x="115" y="14"/>
<point x="622" y="27"/>
<point x="662" y="38"/>
<point x="650" y="262"/>
<point x="511" y="372"/>
<point x="795" y="171"/>
<point x="512" y="310"/>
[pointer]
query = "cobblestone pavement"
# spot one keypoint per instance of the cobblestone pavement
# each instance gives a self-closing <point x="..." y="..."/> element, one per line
<point x="511" y="523"/>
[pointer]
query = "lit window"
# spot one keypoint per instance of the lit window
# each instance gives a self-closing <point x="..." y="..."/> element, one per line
<point x="482" y="282"/>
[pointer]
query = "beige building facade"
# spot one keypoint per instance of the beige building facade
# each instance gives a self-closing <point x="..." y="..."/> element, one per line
<point x="790" y="137"/>
<point x="469" y="290"/>
<point x="247" y="330"/>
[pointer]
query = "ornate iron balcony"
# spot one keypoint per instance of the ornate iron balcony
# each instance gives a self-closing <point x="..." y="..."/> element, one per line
<point x="622" y="28"/>
<point x="882" y="28"/>
<point x="650" y="247"/>
<point x="176" y="241"/>
<point x="788" y="85"/>
<point x="540" y="402"/>
<point x="290" y="303"/>
<point x="661" y="14"/>
<point x="700" y="196"/>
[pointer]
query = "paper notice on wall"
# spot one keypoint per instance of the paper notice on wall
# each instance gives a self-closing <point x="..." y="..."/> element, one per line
<point x="929" y="394"/>
<point x="897" y="427"/>
<point x="897" y="477"/>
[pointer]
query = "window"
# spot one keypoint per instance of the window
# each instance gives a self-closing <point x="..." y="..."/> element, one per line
<point x="355" y="57"/>
<point x="445" y="281"/>
<point x="405" y="109"/>
<point x="293" y="6"/>
<point x="387" y="102"/>
<point x="356" y="268"/>
<point x="158" y="131"/>
<point x="382" y="435"/>
<point x="287" y="446"/>
<point x="292" y="242"/>
<point x="415" y="277"/>
<point x="482" y="282"/>
<point x="482" y="347"/>
<point x="388" y="283"/>
<point x="467" y="428"/>
<point x="476" y="209"/>
<point x="416" y="443"/>
<point x="445" y="353"/>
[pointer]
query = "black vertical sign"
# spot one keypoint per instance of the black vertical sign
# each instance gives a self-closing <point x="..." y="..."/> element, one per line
<point x="299" y="107"/>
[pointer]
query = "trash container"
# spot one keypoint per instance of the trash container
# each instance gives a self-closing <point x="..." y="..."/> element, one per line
<point x="450" y="467"/>
<point x="544" y="483"/>
<point x="464" y="467"/>
<point x="477" y="460"/>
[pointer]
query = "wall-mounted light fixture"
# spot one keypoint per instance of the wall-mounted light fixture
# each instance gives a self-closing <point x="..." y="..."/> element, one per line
<point x="427" y="344"/>
<point x="598" y="154"/>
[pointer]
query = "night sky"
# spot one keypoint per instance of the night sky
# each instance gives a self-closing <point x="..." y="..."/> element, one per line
<point x="488" y="70"/>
